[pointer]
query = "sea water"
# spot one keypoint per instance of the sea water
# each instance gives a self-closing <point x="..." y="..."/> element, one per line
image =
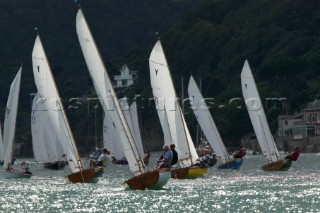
<point x="248" y="189"/>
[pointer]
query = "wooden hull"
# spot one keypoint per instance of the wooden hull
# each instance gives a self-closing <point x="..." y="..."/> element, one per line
<point x="189" y="172"/>
<point x="280" y="165"/>
<point x="15" y="174"/>
<point x="233" y="164"/>
<point x="180" y="173"/>
<point x="55" y="165"/>
<point x="84" y="176"/>
<point x="152" y="180"/>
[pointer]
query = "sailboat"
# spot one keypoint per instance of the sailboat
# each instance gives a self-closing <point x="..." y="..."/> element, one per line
<point x="52" y="102"/>
<point x="9" y="130"/>
<point x="171" y="118"/>
<point x="209" y="128"/>
<point x="260" y="124"/>
<point x="142" y="178"/>
<point x="46" y="147"/>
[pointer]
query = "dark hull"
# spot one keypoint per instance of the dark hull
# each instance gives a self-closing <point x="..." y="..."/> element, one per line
<point x="84" y="176"/>
<point x="125" y="162"/>
<point x="55" y="165"/>
<point x="120" y="162"/>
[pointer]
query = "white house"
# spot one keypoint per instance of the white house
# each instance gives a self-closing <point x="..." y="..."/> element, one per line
<point x="287" y="123"/>
<point x="302" y="125"/>
<point x="126" y="77"/>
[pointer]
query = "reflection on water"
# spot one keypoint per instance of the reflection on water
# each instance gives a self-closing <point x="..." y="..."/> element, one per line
<point x="246" y="190"/>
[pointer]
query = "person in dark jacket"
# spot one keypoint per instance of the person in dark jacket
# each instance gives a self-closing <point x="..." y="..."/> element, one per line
<point x="174" y="153"/>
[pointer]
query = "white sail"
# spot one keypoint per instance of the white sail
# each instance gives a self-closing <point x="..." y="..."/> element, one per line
<point x="206" y="122"/>
<point x="46" y="147"/>
<point x="1" y="145"/>
<point x="106" y="94"/>
<point x="257" y="115"/>
<point x="160" y="107"/>
<point x="53" y="145"/>
<point x="170" y="111"/>
<point x="136" y="128"/>
<point x="37" y="127"/>
<point x="10" y="119"/>
<point x="111" y="138"/>
<point x="132" y="120"/>
<point x="47" y="89"/>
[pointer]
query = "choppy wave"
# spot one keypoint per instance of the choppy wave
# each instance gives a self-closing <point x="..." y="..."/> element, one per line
<point x="246" y="190"/>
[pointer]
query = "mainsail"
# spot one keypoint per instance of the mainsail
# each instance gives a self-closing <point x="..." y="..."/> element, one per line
<point x="2" y="151"/>
<point x="257" y="115"/>
<point x="47" y="90"/>
<point x="10" y="119"/>
<point x="106" y="94"/>
<point x="206" y="122"/>
<point x="168" y="108"/>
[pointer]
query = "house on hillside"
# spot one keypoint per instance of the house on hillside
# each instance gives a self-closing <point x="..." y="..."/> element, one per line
<point x="302" y="125"/>
<point x="126" y="77"/>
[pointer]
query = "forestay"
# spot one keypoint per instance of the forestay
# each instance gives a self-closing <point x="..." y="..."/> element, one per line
<point x="166" y="101"/>
<point x="106" y="94"/>
<point x="257" y="115"/>
<point x="206" y="122"/>
<point x="47" y="89"/>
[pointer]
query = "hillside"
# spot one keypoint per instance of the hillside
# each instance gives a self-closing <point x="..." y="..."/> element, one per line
<point x="280" y="40"/>
<point x="117" y="25"/>
<point x="209" y="39"/>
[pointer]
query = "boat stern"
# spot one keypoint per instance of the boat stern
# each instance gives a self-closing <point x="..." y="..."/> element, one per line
<point x="196" y="171"/>
<point x="164" y="177"/>
<point x="280" y="165"/>
<point x="233" y="164"/>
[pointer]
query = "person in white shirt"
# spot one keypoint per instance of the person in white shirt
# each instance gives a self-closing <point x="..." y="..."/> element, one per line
<point x="102" y="160"/>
